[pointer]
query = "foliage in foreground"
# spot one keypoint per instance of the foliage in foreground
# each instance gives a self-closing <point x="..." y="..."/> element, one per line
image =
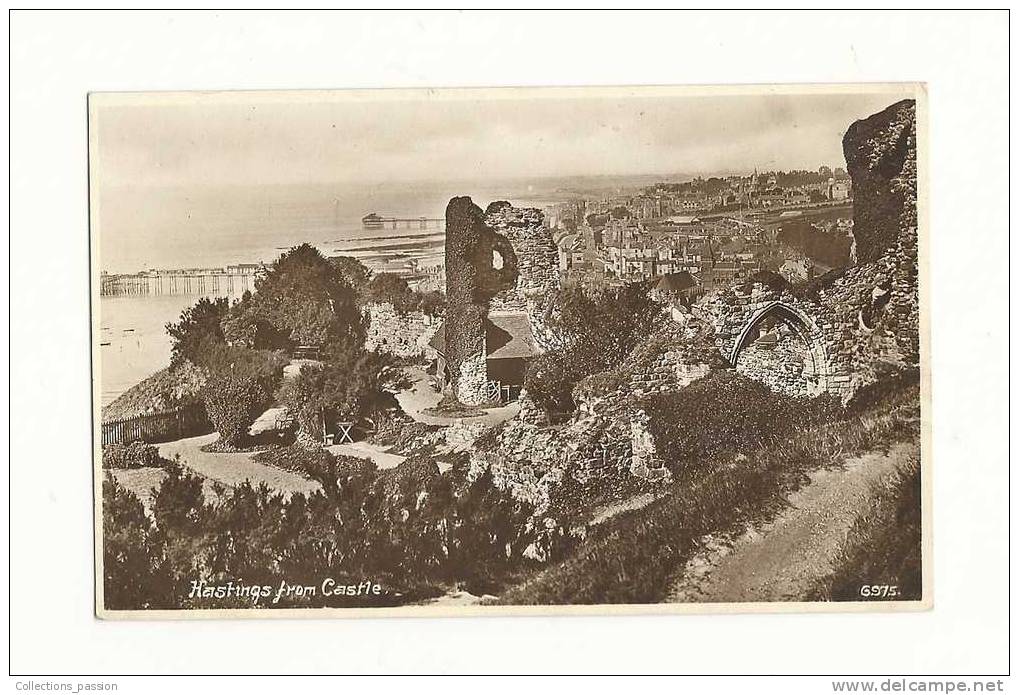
<point x="723" y="415"/>
<point x="239" y="387"/>
<point x="412" y="530"/>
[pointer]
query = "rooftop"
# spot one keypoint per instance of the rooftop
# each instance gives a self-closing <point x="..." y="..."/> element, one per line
<point x="507" y="336"/>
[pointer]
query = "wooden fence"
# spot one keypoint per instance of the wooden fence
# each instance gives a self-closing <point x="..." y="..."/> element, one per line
<point x="157" y="427"/>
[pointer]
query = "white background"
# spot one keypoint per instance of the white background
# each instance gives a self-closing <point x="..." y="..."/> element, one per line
<point x="58" y="57"/>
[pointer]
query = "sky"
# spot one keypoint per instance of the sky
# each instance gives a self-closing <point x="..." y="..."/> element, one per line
<point x="205" y="179"/>
<point x="293" y="138"/>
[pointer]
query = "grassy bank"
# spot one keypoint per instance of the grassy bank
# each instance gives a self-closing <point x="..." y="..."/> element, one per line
<point x="632" y="558"/>
<point x="882" y="548"/>
<point x="167" y="388"/>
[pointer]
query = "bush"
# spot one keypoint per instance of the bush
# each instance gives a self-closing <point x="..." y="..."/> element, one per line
<point x="302" y="299"/>
<point x="550" y="381"/>
<point x="410" y="436"/>
<point x="599" y="327"/>
<point x="891" y="384"/>
<point x="725" y="414"/>
<point x="412" y="530"/>
<point x="392" y="288"/>
<point x="135" y="454"/>
<point x="316" y="464"/>
<point x="239" y="388"/>
<point x="198" y="325"/>
<point x="349" y="385"/>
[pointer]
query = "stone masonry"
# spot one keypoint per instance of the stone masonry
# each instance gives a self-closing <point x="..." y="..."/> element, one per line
<point x="402" y="335"/>
<point x="472" y="280"/>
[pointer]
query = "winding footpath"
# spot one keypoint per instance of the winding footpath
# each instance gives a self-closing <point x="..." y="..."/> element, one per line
<point x="783" y="559"/>
<point x="233" y="469"/>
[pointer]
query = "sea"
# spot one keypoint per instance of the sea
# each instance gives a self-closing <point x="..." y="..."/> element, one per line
<point x="213" y="226"/>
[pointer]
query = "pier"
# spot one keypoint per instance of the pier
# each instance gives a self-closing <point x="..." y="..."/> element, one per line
<point x="376" y="221"/>
<point x="229" y="281"/>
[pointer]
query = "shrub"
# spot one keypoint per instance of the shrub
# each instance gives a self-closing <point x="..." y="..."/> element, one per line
<point x="599" y="327"/>
<point x="891" y="384"/>
<point x="135" y="454"/>
<point x="432" y="303"/>
<point x="316" y="464"/>
<point x="239" y="388"/>
<point x="349" y="385"/>
<point x="411" y="435"/>
<point x="725" y="414"/>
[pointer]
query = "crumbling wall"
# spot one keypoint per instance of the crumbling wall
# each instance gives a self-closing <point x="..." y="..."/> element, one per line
<point x="607" y="439"/>
<point x="536" y="253"/>
<point x="472" y="280"/>
<point x="881" y="160"/>
<point x="403" y="335"/>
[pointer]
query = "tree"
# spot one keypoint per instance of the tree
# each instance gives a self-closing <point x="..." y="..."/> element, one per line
<point x="389" y="287"/>
<point x="303" y="299"/>
<point x="353" y="271"/>
<point x="198" y="324"/>
<point x="131" y="551"/>
<point x="598" y="327"/>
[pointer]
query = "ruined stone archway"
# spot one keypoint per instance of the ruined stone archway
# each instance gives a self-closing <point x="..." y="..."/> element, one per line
<point x="806" y="367"/>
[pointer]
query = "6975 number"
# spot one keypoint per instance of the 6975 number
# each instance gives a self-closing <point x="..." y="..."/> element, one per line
<point x="879" y="591"/>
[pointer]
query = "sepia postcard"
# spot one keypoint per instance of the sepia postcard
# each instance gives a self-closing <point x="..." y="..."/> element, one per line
<point x="510" y="350"/>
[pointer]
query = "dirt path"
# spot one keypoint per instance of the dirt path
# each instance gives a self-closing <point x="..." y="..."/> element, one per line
<point x="781" y="560"/>
<point x="420" y="396"/>
<point x="233" y="469"/>
<point x="366" y="450"/>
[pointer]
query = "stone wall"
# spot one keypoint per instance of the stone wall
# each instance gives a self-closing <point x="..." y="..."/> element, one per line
<point x="782" y="366"/>
<point x="881" y="160"/>
<point x="536" y="253"/>
<point x="403" y="335"/>
<point x="607" y="438"/>
<point x="472" y="280"/>
<point x="521" y="280"/>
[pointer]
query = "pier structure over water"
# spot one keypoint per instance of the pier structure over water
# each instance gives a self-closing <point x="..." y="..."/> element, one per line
<point x="229" y="281"/>
<point x="376" y="221"/>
